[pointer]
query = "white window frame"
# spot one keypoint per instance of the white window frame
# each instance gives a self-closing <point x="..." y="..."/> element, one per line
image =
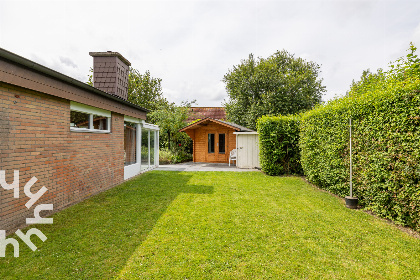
<point x="82" y="108"/>
<point x="136" y="168"/>
<point x="152" y="128"/>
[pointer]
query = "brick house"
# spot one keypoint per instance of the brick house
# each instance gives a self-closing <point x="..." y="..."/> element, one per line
<point x="77" y="140"/>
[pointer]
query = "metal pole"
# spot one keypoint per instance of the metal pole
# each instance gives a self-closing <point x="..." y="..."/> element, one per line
<point x="351" y="179"/>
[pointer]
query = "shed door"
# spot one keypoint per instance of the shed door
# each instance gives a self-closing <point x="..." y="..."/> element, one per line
<point x="216" y="146"/>
<point x="211" y="146"/>
<point x="221" y="146"/>
<point x="248" y="151"/>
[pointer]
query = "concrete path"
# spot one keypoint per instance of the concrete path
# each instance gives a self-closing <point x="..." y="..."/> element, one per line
<point x="201" y="166"/>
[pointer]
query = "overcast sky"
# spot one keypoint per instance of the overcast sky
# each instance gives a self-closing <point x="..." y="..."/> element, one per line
<point x="191" y="45"/>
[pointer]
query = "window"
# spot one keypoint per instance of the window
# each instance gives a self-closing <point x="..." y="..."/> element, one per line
<point x="222" y="143"/>
<point x="100" y="122"/>
<point x="144" y="148"/>
<point x="130" y="143"/>
<point x="79" y="119"/>
<point x="152" y="147"/>
<point x="141" y="146"/>
<point x="84" y="118"/>
<point x="211" y="143"/>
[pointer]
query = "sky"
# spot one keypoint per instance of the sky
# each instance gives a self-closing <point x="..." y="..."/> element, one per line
<point x="191" y="45"/>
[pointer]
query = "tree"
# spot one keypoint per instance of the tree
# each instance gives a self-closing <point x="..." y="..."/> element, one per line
<point x="143" y="89"/>
<point x="280" y="84"/>
<point x="171" y="118"/>
<point x="146" y="91"/>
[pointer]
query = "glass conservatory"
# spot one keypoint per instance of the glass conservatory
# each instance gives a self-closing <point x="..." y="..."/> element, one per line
<point x="141" y="146"/>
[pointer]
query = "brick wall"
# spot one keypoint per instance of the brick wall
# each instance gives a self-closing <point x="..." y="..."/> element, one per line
<point x="36" y="140"/>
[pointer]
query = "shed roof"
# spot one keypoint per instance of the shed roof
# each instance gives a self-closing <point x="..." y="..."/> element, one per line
<point x="217" y="113"/>
<point x="205" y="121"/>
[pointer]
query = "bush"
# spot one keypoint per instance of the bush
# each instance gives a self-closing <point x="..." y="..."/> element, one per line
<point x="181" y="156"/>
<point x="175" y="156"/>
<point x="324" y="148"/>
<point x="165" y="156"/>
<point x="279" y="149"/>
<point x="385" y="112"/>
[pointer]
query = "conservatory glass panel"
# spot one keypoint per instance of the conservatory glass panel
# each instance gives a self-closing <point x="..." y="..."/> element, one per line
<point x="130" y="143"/>
<point x="152" y="148"/>
<point x="144" y="149"/>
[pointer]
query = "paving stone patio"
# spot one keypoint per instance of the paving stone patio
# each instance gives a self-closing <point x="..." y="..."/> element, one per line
<point x="202" y="166"/>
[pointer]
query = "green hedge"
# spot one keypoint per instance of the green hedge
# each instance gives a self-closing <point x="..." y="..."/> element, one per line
<point x="279" y="145"/>
<point x="385" y="112"/>
<point x="324" y="146"/>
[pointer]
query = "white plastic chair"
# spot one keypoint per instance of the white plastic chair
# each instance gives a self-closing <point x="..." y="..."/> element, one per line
<point x="232" y="156"/>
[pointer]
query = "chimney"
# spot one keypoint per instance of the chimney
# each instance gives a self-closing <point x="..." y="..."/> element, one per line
<point x="110" y="73"/>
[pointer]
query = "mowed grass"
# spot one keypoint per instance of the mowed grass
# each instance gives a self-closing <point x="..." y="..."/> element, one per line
<point x="216" y="225"/>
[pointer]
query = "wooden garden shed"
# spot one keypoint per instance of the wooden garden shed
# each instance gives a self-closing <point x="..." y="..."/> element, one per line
<point x="213" y="139"/>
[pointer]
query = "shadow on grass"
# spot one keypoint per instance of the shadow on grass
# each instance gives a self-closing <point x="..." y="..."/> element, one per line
<point x="95" y="238"/>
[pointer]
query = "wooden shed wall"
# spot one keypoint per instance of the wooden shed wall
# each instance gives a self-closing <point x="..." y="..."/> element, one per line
<point x="200" y="138"/>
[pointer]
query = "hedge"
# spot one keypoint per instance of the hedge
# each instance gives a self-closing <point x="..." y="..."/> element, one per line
<point x="279" y="145"/>
<point x="385" y="113"/>
<point x="324" y="142"/>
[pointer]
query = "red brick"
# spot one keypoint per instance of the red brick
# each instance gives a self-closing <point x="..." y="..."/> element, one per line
<point x="40" y="144"/>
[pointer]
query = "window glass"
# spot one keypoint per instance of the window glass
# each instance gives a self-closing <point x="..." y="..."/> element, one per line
<point x="152" y="148"/>
<point x="144" y="149"/>
<point x="100" y="122"/>
<point x="130" y="143"/>
<point x="222" y="143"/>
<point x="79" y="119"/>
<point x="211" y="143"/>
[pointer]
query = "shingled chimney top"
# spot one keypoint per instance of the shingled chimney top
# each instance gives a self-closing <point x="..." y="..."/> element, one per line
<point x="110" y="73"/>
<point x="111" y="54"/>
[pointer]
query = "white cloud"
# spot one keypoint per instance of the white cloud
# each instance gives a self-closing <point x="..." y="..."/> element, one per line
<point x="415" y="38"/>
<point x="192" y="44"/>
<point x="68" y="62"/>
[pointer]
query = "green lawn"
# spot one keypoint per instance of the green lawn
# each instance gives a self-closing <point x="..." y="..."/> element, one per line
<point x="216" y="225"/>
